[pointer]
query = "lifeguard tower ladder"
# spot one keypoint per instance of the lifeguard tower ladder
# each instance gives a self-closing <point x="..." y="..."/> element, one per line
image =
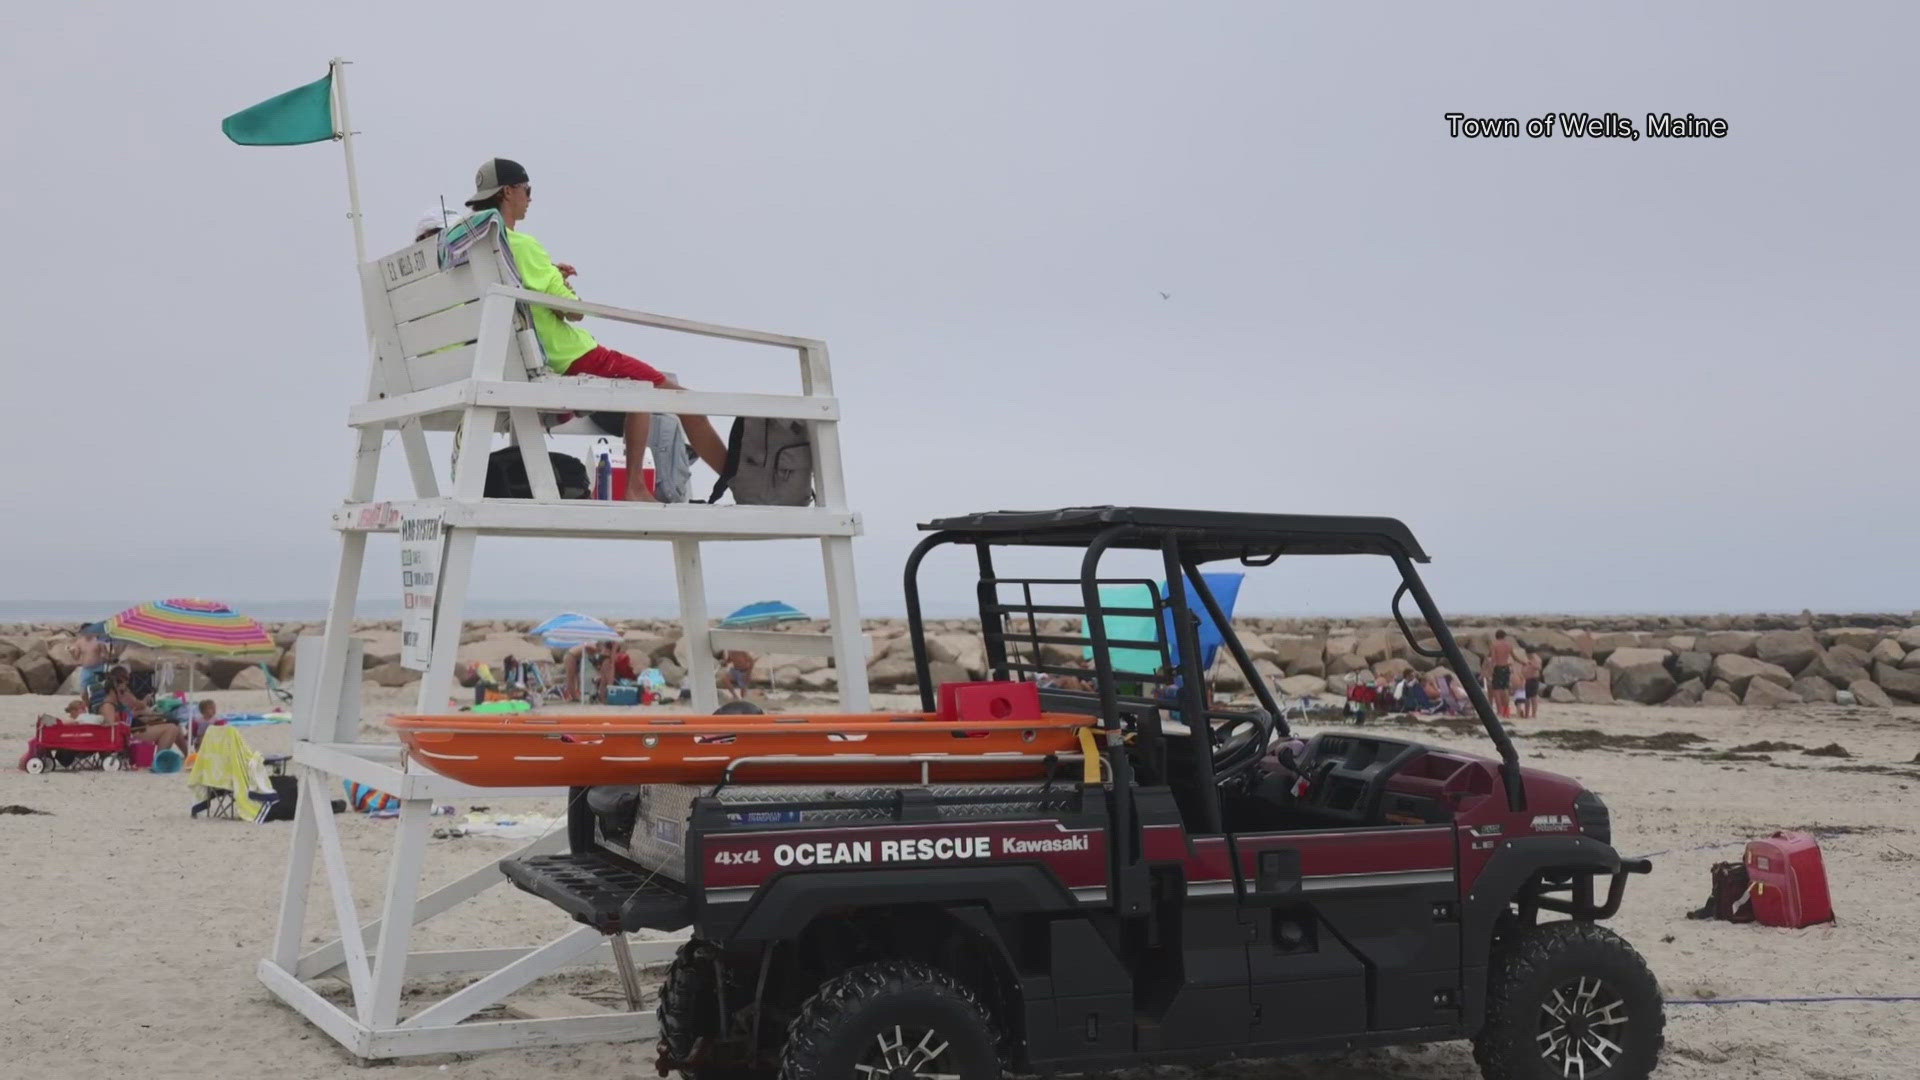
<point x="451" y="349"/>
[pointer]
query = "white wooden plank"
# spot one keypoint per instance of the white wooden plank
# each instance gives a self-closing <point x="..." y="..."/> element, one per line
<point x="289" y="929"/>
<point x="324" y="1014"/>
<point x="512" y="1034"/>
<point x="341" y="886"/>
<point x="843" y="611"/>
<point x="612" y="520"/>
<point x="781" y="643"/>
<point x="532" y="440"/>
<point x="442" y="398"/>
<point x="591" y="393"/>
<point x="448" y="288"/>
<point x="491" y="989"/>
<point x="661" y="322"/>
<point x="415" y="262"/>
<point x="396" y="913"/>
<point x="452" y="326"/>
<point x="693" y="621"/>
<point x="438" y="369"/>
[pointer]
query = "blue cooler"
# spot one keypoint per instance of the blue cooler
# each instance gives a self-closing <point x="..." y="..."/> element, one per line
<point x="623" y="694"/>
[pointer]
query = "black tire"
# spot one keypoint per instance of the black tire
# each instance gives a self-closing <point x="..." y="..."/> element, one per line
<point x="690" y="1009"/>
<point x="741" y="707"/>
<point x="1582" y="983"/>
<point x="846" y="1030"/>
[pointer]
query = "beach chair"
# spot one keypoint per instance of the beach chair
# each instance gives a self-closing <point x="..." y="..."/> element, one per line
<point x="231" y="779"/>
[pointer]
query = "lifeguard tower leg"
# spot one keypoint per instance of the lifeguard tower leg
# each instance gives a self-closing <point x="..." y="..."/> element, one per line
<point x="693" y="622"/>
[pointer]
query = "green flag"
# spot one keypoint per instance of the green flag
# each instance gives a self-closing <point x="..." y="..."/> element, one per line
<point x="298" y="116"/>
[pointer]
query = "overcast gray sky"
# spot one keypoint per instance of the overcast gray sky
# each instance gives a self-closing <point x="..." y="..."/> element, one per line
<point x="1591" y="375"/>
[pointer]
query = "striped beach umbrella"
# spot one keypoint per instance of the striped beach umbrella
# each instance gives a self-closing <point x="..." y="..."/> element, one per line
<point x="205" y="627"/>
<point x="765" y="613"/>
<point x="570" y="628"/>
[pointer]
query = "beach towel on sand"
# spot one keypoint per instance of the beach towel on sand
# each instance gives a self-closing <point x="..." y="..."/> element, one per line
<point x="226" y="763"/>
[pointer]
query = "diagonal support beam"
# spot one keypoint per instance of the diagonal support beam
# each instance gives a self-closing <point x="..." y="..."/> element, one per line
<point x="344" y="916"/>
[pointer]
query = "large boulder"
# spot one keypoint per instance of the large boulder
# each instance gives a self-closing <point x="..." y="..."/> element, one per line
<point x="1547" y="640"/>
<point x="1567" y="670"/>
<point x="222" y="669"/>
<point x="1595" y="692"/>
<point x="1299" y="654"/>
<point x="9" y="652"/>
<point x="1790" y="649"/>
<point x="1765" y="694"/>
<point x="1913" y="659"/>
<point x="1605" y="644"/>
<point x="1344" y="664"/>
<point x="944" y="671"/>
<point x="1296" y="686"/>
<point x="1742" y="670"/>
<point x="1887" y="651"/>
<point x="1563" y="695"/>
<point x="1899" y="683"/>
<point x="1693" y="664"/>
<point x="1719" y="699"/>
<point x="1909" y="638"/>
<point x="38" y="671"/>
<point x="1640" y="675"/>
<point x="1375" y="645"/>
<point x="1842" y="664"/>
<point x="891" y="672"/>
<point x="1865" y="692"/>
<point x="11" y="683"/>
<point x="1859" y="637"/>
<point x="248" y="678"/>
<point x="824" y="679"/>
<point x="1687" y="693"/>
<point x="1813" y="688"/>
<point x="1680" y="643"/>
<point x="1738" y="642"/>
<point x="392" y="675"/>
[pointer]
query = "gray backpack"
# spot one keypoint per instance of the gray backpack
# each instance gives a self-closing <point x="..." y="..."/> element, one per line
<point x="769" y="463"/>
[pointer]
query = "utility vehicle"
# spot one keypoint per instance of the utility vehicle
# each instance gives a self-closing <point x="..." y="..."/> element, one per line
<point x="1198" y="887"/>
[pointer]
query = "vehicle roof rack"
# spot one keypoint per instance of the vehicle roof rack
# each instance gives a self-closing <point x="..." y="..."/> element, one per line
<point x="1214" y="534"/>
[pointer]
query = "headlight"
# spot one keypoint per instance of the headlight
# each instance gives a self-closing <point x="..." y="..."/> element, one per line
<point x="1595" y="821"/>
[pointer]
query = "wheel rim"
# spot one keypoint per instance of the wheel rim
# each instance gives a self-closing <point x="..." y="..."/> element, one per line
<point x="908" y="1053"/>
<point x="1583" y="1028"/>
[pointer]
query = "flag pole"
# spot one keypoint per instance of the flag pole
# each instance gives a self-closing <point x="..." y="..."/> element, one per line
<point x="344" y="131"/>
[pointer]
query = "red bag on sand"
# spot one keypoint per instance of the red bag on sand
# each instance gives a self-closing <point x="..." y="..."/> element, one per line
<point x="1789" y="880"/>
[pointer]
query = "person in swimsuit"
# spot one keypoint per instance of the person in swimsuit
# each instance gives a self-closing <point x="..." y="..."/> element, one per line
<point x="1499" y="673"/>
<point x="739" y="673"/>
<point x="1534" y="688"/>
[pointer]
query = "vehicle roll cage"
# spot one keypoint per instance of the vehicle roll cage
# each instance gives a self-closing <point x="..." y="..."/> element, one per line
<point x="1186" y="540"/>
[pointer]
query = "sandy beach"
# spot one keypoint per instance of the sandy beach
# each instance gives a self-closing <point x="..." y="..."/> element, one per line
<point x="131" y="932"/>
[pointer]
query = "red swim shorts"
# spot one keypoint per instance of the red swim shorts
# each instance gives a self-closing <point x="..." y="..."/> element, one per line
<point x="608" y="364"/>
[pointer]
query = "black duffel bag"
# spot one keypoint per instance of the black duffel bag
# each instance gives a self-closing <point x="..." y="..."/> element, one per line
<point x="507" y="475"/>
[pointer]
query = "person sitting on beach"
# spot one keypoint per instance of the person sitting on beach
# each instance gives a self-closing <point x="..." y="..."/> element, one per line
<point x="123" y="706"/>
<point x="503" y="185"/>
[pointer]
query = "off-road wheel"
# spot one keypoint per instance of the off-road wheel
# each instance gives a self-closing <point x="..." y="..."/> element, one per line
<point x="1570" y="999"/>
<point x="689" y="1011"/>
<point x="891" y="1020"/>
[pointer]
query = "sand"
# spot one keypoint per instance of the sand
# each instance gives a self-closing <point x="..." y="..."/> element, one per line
<point x="129" y="933"/>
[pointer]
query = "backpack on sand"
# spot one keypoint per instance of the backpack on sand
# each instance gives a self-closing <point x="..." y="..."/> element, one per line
<point x="1729" y="900"/>
<point x="769" y="463"/>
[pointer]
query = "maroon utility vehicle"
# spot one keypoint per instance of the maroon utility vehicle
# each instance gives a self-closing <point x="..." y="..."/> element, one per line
<point x="1201" y="891"/>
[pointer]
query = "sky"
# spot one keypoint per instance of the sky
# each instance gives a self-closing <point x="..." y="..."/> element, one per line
<point x="1592" y="375"/>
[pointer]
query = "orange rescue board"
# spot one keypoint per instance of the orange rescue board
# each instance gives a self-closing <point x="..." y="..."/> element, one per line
<point x="578" y="751"/>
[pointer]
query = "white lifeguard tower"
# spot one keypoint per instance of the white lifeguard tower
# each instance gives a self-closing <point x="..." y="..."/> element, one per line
<point x="451" y="350"/>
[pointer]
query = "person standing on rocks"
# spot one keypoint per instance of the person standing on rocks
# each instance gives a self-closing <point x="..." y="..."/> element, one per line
<point x="1498" y="670"/>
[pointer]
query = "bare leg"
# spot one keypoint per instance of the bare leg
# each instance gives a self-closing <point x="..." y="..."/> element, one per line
<point x="706" y="441"/>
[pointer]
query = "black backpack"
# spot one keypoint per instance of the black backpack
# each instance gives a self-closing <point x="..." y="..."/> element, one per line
<point x="507" y="475"/>
<point x="769" y="463"/>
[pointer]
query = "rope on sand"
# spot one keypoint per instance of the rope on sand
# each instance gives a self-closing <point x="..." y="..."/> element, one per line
<point x="1793" y="1000"/>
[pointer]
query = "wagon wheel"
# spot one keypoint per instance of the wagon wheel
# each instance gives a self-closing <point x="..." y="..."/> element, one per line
<point x="112" y="762"/>
<point x="35" y="765"/>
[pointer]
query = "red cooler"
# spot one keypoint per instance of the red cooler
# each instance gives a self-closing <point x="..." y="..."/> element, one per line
<point x="1789" y="880"/>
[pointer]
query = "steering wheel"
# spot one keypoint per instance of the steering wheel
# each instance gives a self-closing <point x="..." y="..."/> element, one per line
<point x="1239" y="744"/>
<point x="1354" y="764"/>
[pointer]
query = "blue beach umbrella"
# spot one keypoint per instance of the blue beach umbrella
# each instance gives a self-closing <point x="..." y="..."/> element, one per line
<point x="765" y="613"/>
<point x="569" y="628"/>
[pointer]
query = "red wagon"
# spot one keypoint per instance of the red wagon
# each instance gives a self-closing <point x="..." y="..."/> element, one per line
<point x="61" y="744"/>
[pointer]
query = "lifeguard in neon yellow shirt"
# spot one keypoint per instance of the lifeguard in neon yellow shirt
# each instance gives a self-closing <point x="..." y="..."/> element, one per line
<point x="503" y="185"/>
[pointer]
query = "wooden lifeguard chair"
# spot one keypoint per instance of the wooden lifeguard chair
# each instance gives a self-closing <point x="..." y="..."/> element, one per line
<point x="452" y="350"/>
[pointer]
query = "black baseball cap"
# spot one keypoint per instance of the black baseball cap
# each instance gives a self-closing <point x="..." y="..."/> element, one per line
<point x="495" y="174"/>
